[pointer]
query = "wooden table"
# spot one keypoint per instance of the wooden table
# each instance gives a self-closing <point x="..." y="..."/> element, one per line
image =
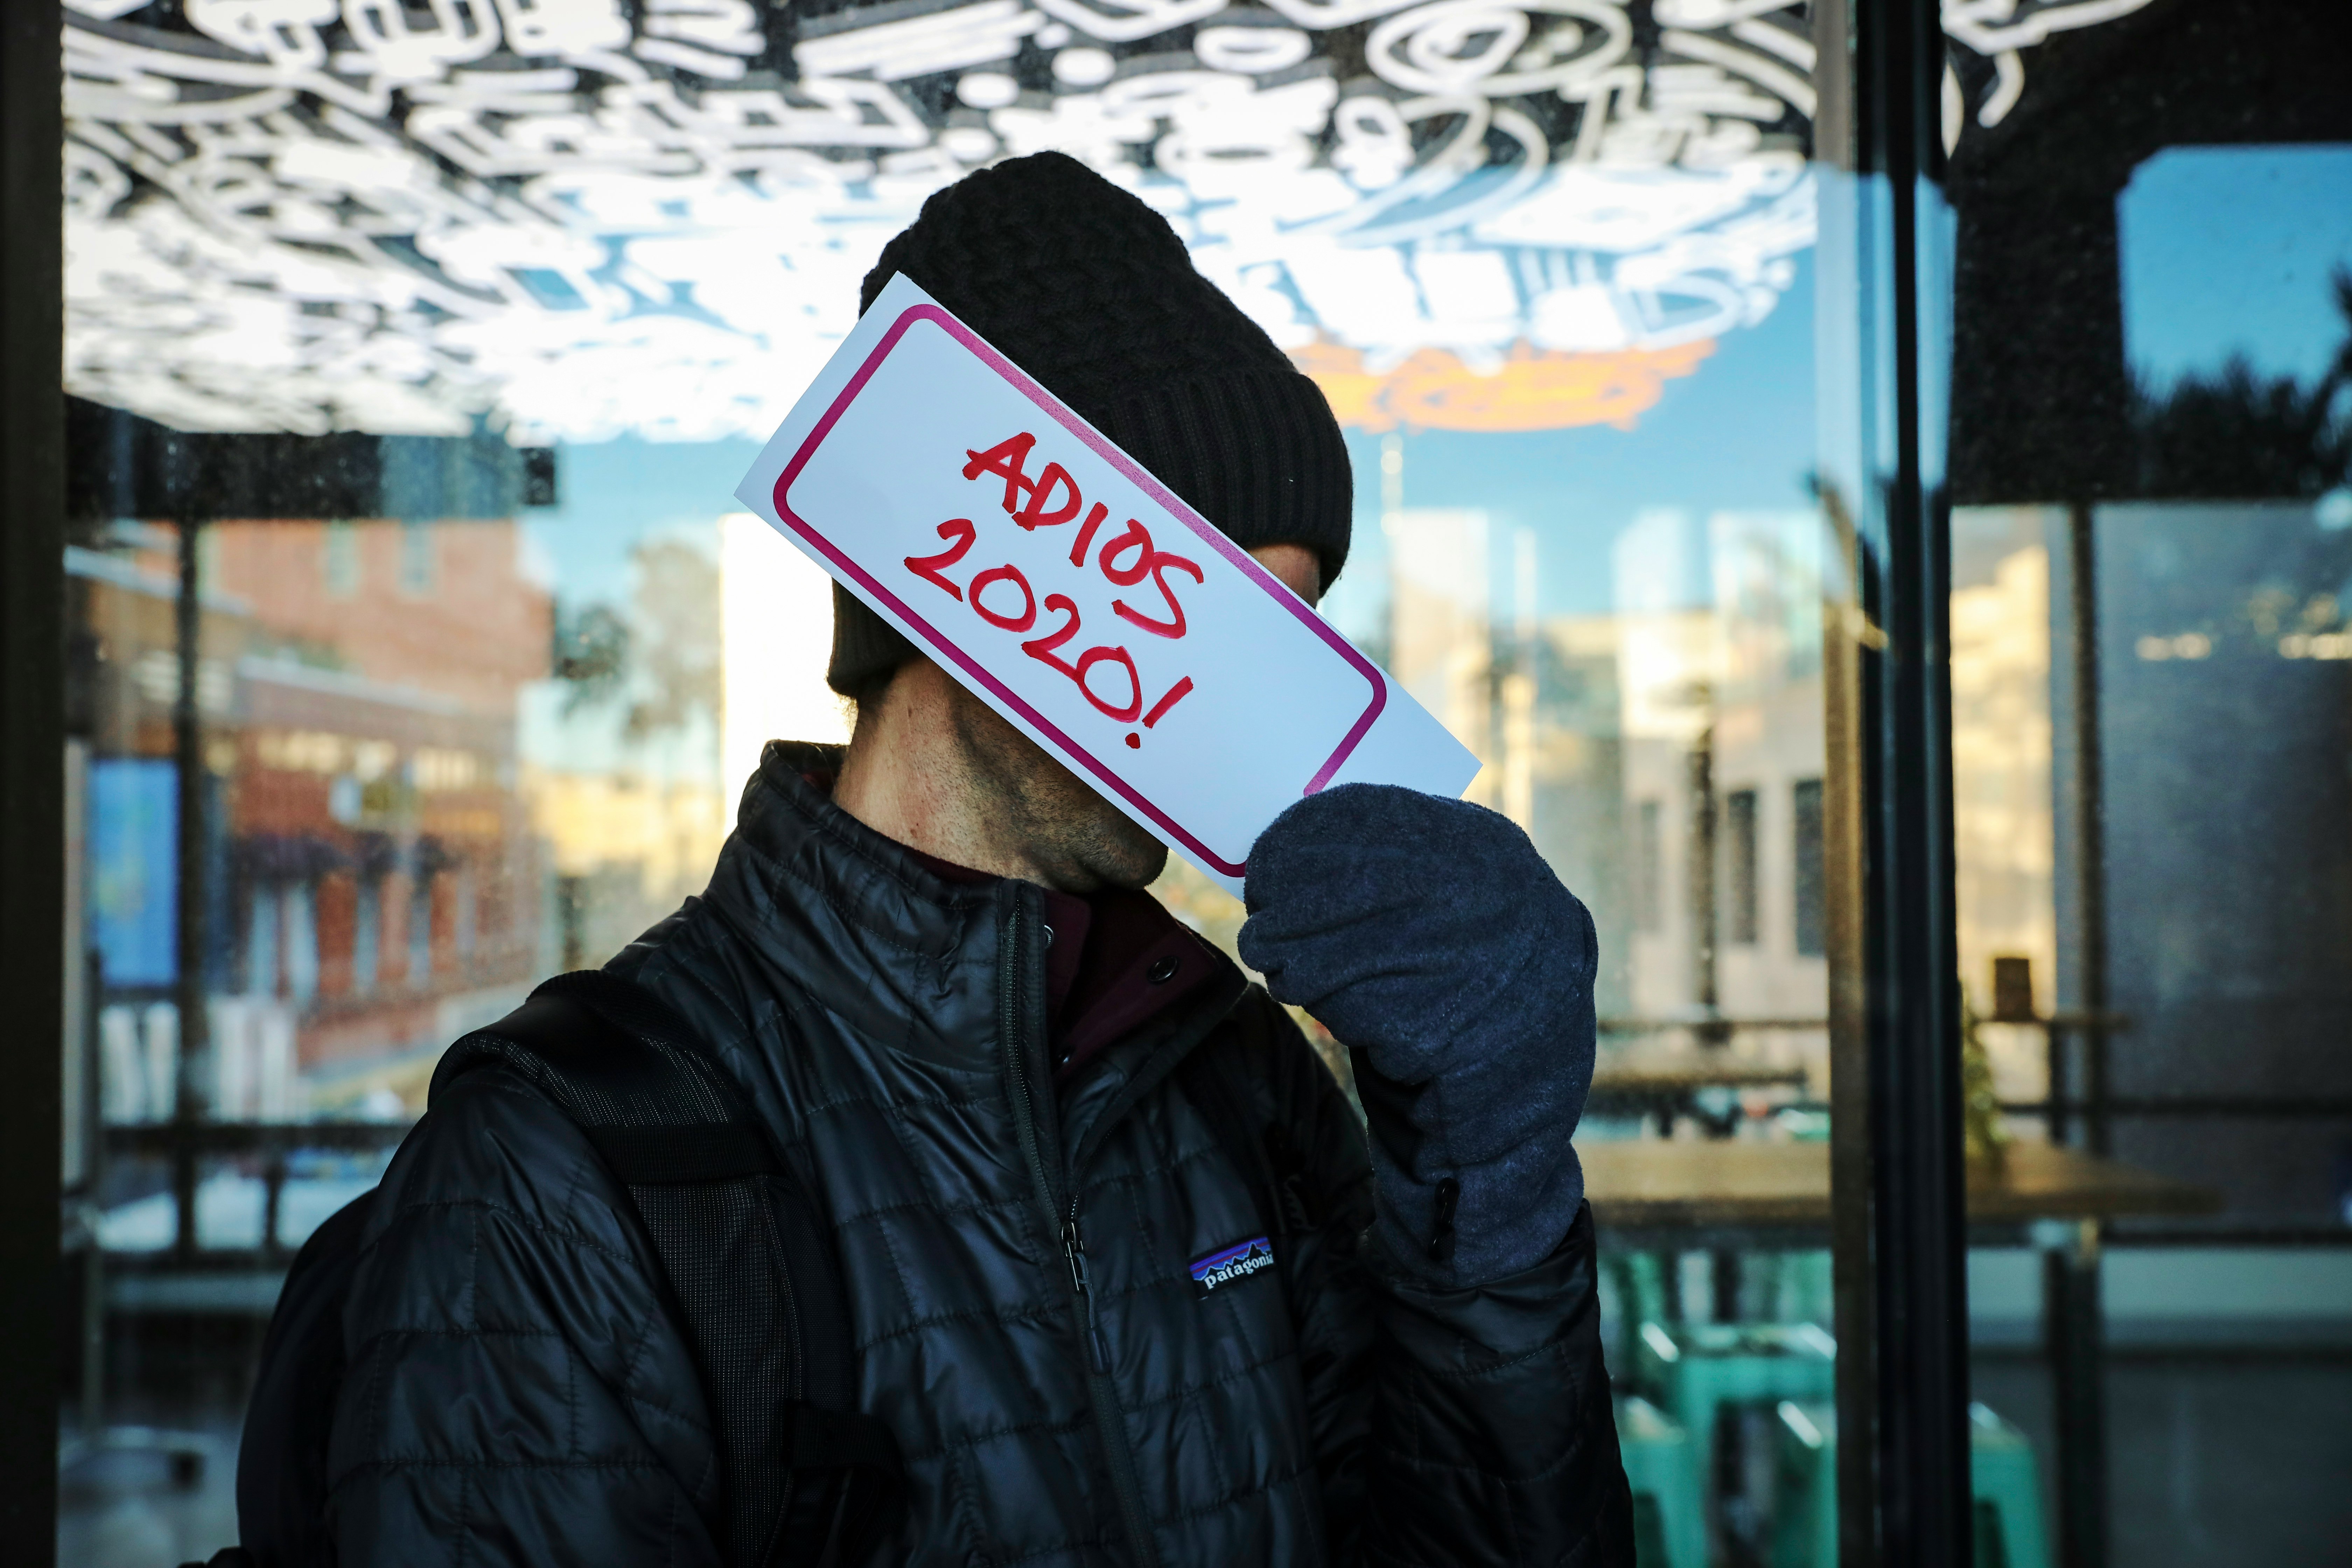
<point x="1647" y="1072"/>
<point x="1731" y="1185"/>
<point x="1666" y="1083"/>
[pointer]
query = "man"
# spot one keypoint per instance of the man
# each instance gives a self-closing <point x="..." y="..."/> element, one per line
<point x="928" y="961"/>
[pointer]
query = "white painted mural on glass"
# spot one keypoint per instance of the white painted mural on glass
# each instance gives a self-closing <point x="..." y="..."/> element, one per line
<point x="580" y="219"/>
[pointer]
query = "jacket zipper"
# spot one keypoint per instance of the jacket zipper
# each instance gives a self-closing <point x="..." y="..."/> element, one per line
<point x="1073" y="1249"/>
<point x="1110" y="1425"/>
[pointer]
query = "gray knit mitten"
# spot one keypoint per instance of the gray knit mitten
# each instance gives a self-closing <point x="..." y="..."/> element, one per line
<point x="1433" y="942"/>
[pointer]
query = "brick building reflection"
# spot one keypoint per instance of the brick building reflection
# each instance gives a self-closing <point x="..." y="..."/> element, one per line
<point x="377" y="887"/>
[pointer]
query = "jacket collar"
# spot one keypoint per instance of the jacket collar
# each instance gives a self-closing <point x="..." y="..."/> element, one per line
<point x="851" y="921"/>
<point x="861" y="926"/>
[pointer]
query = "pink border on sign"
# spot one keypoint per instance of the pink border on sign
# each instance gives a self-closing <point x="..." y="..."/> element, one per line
<point x="1144" y="482"/>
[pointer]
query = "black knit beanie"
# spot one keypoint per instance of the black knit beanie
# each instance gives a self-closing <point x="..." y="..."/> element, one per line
<point x="1090" y="291"/>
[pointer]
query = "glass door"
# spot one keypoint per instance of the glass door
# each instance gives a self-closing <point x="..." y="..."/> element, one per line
<point x="2150" y="547"/>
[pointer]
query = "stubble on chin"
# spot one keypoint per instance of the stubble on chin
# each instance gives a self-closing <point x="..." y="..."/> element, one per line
<point x="1077" y="838"/>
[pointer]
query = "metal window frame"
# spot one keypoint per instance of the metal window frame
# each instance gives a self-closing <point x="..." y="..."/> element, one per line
<point x="32" y="771"/>
<point x="1898" y="1221"/>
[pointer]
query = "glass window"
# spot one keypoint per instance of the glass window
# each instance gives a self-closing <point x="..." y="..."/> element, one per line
<point x="343" y="572"/>
<point x="415" y="560"/>
<point x="1807" y="915"/>
<point x="478" y="323"/>
<point x="1739" y="855"/>
<point x="2149" y="681"/>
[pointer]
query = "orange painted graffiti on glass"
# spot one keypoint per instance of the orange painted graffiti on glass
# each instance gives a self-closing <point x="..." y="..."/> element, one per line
<point x="1532" y="389"/>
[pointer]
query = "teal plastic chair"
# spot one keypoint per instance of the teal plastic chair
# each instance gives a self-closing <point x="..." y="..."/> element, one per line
<point x="2005" y="1486"/>
<point x="1797" y="1286"/>
<point x="1804" y="1472"/>
<point x="1669" y="1532"/>
<point x="1696" y="1369"/>
<point x="1633" y="1293"/>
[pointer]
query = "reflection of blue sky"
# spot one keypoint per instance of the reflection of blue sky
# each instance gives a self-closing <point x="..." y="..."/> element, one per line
<point x="2228" y="250"/>
<point x="1737" y="436"/>
<point x="614" y="494"/>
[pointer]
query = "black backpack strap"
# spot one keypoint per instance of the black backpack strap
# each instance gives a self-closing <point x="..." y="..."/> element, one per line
<point x="281" y="1459"/>
<point x="807" y="1478"/>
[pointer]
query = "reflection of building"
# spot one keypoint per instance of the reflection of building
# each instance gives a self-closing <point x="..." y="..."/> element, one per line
<point x="372" y="872"/>
<point x="1666" y="676"/>
<point x="1720" y="633"/>
<point x="1564" y="681"/>
<point x="383" y="870"/>
<point x="626" y="849"/>
<point x="2225" y="720"/>
<point x="2001" y="802"/>
<point x="378" y="857"/>
<point x="620" y="786"/>
<point x="1768" y="744"/>
<point x="1665" y="758"/>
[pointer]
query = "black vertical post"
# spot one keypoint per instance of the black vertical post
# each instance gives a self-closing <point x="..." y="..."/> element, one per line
<point x="188" y="766"/>
<point x="1701" y="881"/>
<point x="2088" y="807"/>
<point x="1843" y="487"/>
<point x="1852" y="1262"/>
<point x="2075" y="1332"/>
<point x="2054" y="1121"/>
<point x="2074" y="1322"/>
<point x="93" y="1256"/>
<point x="1910" y="1025"/>
<point x="32" y="772"/>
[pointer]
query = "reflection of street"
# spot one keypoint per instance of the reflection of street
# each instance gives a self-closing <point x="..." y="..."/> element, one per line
<point x="370" y="887"/>
<point x="133" y="1511"/>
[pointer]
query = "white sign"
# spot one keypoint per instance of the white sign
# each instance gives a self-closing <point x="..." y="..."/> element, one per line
<point x="1076" y="594"/>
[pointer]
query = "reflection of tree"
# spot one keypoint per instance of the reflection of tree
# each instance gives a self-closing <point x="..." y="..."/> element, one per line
<point x="591" y="655"/>
<point x="2236" y="435"/>
<point x="662" y="654"/>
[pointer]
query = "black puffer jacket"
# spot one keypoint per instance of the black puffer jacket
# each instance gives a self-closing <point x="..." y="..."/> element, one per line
<point x="516" y="1395"/>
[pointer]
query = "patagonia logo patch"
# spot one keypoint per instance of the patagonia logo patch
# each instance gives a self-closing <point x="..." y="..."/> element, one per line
<point x="1229" y="1263"/>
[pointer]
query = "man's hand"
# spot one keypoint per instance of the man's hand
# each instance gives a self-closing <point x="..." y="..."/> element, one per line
<point x="1432" y="939"/>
